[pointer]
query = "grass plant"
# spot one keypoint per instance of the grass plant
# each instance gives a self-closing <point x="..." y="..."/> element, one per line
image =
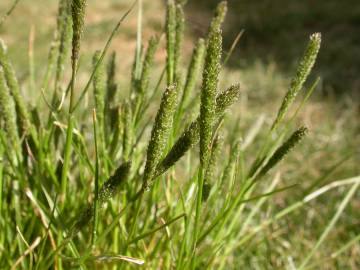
<point x="98" y="184"/>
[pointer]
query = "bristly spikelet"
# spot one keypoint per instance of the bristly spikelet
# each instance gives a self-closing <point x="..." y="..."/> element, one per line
<point x="160" y="133"/>
<point x="191" y="136"/>
<point x="193" y="71"/>
<point x="219" y="15"/>
<point x="170" y="40"/>
<point x="78" y="17"/>
<point x="99" y="93"/>
<point x="284" y="149"/>
<point x="8" y="114"/>
<point x="225" y="99"/>
<point x="111" y="186"/>
<point x="107" y="192"/>
<point x="304" y="68"/>
<point x="211" y="168"/>
<point x="128" y="130"/>
<point x="13" y="84"/>
<point x="148" y="64"/>
<point x="179" y="36"/>
<point x="208" y="92"/>
<point x="186" y="141"/>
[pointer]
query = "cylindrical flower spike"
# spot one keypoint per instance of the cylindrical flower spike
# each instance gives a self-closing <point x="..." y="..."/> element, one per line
<point x="13" y="84"/>
<point x="179" y="36"/>
<point x="107" y="192"/>
<point x="219" y="15"/>
<point x="284" y="149"/>
<point x="160" y="133"/>
<point x="8" y="114"/>
<point x="78" y="17"/>
<point x="304" y="68"/>
<point x="148" y="64"/>
<point x="211" y="168"/>
<point x="99" y="94"/>
<point x="208" y="93"/>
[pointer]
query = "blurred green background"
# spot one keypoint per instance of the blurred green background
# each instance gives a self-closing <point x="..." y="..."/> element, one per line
<point x="277" y="31"/>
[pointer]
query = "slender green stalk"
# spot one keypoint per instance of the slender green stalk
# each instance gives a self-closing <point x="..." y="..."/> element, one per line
<point x="170" y="40"/>
<point x="146" y="234"/>
<point x="8" y="13"/>
<point x="78" y="16"/>
<point x="96" y="185"/>
<point x="139" y="41"/>
<point x="128" y="136"/>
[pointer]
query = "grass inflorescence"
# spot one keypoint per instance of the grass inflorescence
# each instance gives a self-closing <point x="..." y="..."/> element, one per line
<point x="137" y="185"/>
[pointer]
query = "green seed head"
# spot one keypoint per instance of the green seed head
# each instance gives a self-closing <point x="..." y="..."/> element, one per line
<point x="112" y="185"/>
<point x="228" y="97"/>
<point x="107" y="192"/>
<point x="99" y="93"/>
<point x="13" y="84"/>
<point x="211" y="168"/>
<point x="208" y="92"/>
<point x="8" y="114"/>
<point x="99" y="84"/>
<point x="179" y="36"/>
<point x="304" y="68"/>
<point x="284" y="149"/>
<point x="186" y="141"/>
<point x="219" y="15"/>
<point x="78" y="17"/>
<point x="148" y="64"/>
<point x="160" y="133"/>
<point x="170" y="40"/>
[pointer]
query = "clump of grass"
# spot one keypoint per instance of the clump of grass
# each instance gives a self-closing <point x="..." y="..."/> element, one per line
<point x="169" y="204"/>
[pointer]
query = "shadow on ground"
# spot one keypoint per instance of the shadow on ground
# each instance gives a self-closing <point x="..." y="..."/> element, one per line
<point x="278" y="31"/>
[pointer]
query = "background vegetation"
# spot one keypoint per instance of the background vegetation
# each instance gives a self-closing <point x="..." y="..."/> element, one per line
<point x="263" y="62"/>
